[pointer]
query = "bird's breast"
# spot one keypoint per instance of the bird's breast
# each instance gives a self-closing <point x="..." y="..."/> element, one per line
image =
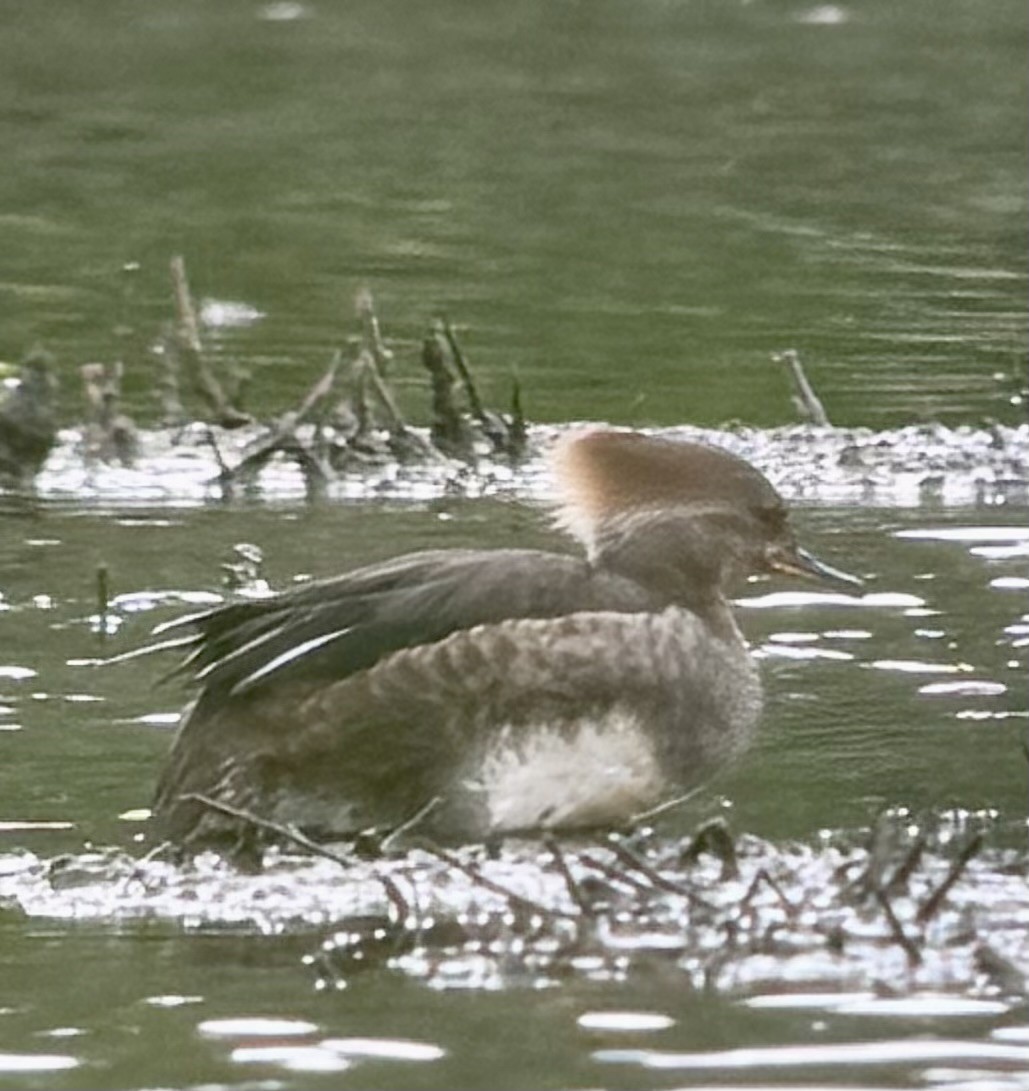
<point x="593" y="771"/>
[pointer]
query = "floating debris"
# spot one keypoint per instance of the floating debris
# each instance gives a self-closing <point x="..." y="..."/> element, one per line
<point x="905" y="909"/>
<point x="348" y="425"/>
<point x="906" y="467"/>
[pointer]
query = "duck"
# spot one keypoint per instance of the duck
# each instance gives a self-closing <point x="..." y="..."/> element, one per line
<point x="493" y="692"/>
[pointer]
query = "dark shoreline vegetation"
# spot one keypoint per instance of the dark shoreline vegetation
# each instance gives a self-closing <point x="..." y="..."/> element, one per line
<point x="352" y="412"/>
<point x="347" y="425"/>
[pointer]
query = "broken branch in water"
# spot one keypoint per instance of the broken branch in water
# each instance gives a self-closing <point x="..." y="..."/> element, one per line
<point x="575" y="891"/>
<point x="266" y="825"/>
<point x="504" y="436"/>
<point x="935" y="900"/>
<point x="365" y="425"/>
<point x="476" y="876"/>
<point x="762" y="877"/>
<point x="902" y="939"/>
<point x="631" y="859"/>
<point x="289" y="834"/>
<point x="805" y="399"/>
<point x="191" y="350"/>
<point x="449" y="430"/>
<point x="364" y="304"/>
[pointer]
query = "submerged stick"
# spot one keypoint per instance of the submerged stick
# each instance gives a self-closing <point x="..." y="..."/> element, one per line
<point x="189" y="324"/>
<point x="906" y="868"/>
<point x="518" y="431"/>
<point x="321" y="389"/>
<point x="169" y="359"/>
<point x="613" y="873"/>
<point x="372" y="377"/>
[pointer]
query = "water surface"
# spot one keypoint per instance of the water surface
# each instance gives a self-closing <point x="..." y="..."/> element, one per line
<point x="632" y="207"/>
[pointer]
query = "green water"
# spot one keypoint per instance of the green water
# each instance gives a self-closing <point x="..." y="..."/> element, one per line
<point x="629" y="205"/>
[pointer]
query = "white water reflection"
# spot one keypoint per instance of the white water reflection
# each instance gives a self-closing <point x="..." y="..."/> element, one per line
<point x="629" y="1022"/>
<point x="256" y="1027"/>
<point x="967" y="534"/>
<point x="177" y="467"/>
<point x="909" y="1051"/>
<point x="25" y="1063"/>
<point x="927" y="1006"/>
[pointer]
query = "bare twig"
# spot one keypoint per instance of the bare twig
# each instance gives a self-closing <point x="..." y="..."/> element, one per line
<point x="931" y="905"/>
<point x="518" y="900"/>
<point x="903" y="940"/>
<point x="662" y="808"/>
<point x="472" y="393"/>
<point x="188" y="337"/>
<point x="364" y="304"/>
<point x="189" y="324"/>
<point x="404" y="443"/>
<point x="574" y="889"/>
<point x="628" y="857"/>
<point x="518" y="432"/>
<point x="316" y="396"/>
<point x="286" y="833"/>
<point x="493" y="426"/>
<point x="615" y="874"/>
<point x="804" y="397"/>
<point x="906" y="868"/>
<point x="409" y="824"/>
<point x="396" y="898"/>
<point x="761" y="877"/>
<point x="223" y="468"/>
<point x="110" y="433"/>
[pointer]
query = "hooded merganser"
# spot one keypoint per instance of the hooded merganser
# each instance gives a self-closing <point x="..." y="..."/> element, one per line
<point x="495" y="690"/>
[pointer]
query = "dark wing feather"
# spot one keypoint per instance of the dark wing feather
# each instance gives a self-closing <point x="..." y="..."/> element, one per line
<point x="332" y="629"/>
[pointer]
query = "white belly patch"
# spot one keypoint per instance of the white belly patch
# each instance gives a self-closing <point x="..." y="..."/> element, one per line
<point x="595" y="772"/>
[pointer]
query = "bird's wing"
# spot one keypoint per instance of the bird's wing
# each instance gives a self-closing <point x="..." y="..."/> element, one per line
<point x="330" y="630"/>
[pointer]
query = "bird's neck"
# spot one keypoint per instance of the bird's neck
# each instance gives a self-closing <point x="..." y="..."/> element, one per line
<point x="674" y="560"/>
